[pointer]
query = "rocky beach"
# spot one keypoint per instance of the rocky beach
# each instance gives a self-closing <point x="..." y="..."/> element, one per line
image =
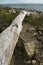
<point x="29" y="48"/>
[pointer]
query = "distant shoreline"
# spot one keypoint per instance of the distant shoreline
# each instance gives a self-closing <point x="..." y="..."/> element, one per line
<point x="37" y="7"/>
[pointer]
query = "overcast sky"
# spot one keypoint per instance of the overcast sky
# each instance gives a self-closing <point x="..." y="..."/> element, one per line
<point x="20" y="1"/>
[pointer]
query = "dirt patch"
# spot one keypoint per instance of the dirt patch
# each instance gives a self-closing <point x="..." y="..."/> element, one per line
<point x="28" y="51"/>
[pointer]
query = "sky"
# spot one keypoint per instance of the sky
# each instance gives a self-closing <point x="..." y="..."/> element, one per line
<point x="21" y="1"/>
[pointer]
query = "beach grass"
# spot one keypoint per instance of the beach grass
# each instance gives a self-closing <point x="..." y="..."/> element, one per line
<point x="6" y="16"/>
<point x="34" y="20"/>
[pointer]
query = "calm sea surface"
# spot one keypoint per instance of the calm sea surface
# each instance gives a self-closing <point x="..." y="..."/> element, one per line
<point x="38" y="7"/>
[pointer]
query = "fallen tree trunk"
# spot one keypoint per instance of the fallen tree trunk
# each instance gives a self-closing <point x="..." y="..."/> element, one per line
<point x="9" y="38"/>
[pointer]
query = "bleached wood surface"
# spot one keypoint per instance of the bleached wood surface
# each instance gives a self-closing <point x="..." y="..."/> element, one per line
<point x="9" y="38"/>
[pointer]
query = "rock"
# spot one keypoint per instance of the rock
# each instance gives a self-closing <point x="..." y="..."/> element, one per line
<point x="34" y="34"/>
<point x="29" y="46"/>
<point x="41" y="63"/>
<point x="32" y="29"/>
<point x="34" y="62"/>
<point x="40" y="32"/>
<point x="40" y="38"/>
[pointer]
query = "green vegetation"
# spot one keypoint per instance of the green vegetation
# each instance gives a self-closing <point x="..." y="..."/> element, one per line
<point x="34" y="20"/>
<point x="6" y="17"/>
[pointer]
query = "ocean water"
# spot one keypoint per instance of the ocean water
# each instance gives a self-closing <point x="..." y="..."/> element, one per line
<point x="38" y="7"/>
